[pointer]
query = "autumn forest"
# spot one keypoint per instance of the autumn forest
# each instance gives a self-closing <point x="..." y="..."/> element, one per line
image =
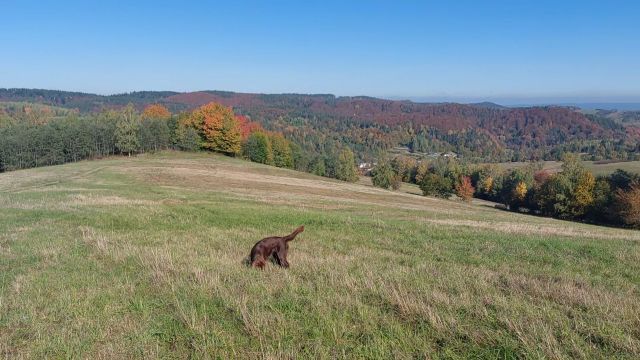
<point x="446" y="149"/>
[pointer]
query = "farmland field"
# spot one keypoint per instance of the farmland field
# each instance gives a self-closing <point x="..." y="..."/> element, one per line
<point x="604" y="168"/>
<point x="143" y="257"/>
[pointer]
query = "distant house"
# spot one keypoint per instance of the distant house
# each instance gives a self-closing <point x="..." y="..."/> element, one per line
<point x="404" y="149"/>
<point x="449" y="154"/>
<point x="365" y="167"/>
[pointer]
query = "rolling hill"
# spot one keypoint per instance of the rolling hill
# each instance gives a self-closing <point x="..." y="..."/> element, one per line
<point x="143" y="257"/>
<point x="473" y="127"/>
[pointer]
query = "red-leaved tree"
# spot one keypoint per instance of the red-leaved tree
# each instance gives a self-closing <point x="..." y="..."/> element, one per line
<point x="247" y="126"/>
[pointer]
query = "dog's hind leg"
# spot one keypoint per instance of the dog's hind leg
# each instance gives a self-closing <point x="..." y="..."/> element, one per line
<point x="258" y="263"/>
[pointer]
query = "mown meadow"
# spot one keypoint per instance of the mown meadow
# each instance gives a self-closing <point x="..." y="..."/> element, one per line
<point x="143" y="257"/>
<point x="597" y="168"/>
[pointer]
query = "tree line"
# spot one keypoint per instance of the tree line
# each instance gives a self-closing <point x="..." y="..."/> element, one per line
<point x="58" y="140"/>
<point x="480" y="133"/>
<point x="32" y="139"/>
<point x="574" y="193"/>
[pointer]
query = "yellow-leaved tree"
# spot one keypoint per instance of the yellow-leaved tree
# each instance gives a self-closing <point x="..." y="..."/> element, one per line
<point x="421" y="171"/>
<point x="520" y="191"/>
<point x="487" y="184"/>
<point x="583" y="192"/>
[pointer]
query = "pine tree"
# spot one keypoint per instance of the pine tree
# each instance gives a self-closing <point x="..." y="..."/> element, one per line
<point x="318" y="166"/>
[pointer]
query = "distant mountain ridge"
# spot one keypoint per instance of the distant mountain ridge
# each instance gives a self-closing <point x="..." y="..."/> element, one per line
<point x="619" y="106"/>
<point x="490" y="105"/>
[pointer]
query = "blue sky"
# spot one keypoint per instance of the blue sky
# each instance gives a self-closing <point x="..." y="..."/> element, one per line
<point x="458" y="50"/>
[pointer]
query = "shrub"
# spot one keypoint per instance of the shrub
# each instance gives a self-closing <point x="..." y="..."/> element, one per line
<point x="385" y="177"/>
<point x="436" y="185"/>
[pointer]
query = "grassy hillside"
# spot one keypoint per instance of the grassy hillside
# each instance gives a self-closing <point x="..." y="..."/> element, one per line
<point x="142" y="257"/>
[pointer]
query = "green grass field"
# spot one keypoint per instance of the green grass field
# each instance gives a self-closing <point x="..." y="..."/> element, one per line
<point x="143" y="257"/>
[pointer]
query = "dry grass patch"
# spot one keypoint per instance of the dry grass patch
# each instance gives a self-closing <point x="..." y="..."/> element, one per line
<point x="150" y="265"/>
<point x="543" y="230"/>
<point x="98" y="200"/>
<point x="285" y="190"/>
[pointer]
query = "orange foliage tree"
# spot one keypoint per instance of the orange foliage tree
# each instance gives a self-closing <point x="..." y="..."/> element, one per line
<point x="464" y="189"/>
<point x="156" y="111"/>
<point x="217" y="126"/>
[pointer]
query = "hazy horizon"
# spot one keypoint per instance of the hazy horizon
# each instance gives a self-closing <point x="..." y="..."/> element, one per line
<point x="607" y="103"/>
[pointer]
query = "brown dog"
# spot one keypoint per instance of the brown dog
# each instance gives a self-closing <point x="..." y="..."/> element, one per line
<point x="276" y="246"/>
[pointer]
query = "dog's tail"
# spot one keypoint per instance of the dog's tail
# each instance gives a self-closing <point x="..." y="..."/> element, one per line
<point x="294" y="233"/>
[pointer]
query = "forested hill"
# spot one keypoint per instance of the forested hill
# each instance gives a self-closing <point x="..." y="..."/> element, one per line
<point x="84" y="102"/>
<point x="490" y="132"/>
